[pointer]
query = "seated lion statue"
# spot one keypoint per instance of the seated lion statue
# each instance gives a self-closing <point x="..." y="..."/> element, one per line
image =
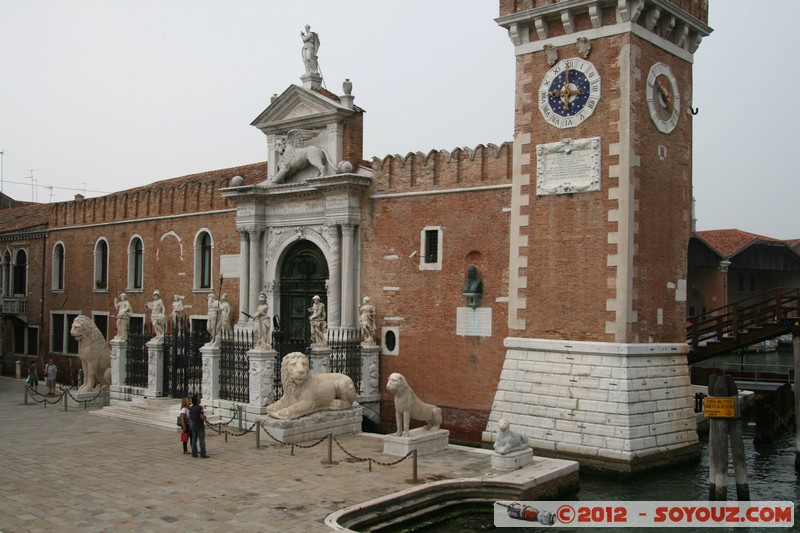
<point x="408" y="406"/>
<point x="94" y="353"/>
<point x="508" y="441"/>
<point x="305" y="393"/>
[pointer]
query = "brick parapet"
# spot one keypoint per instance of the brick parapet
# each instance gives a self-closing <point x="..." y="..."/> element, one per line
<point x="441" y="169"/>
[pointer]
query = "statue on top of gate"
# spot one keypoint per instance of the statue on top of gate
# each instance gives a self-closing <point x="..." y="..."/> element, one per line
<point x="260" y="318"/>
<point x="158" y="314"/>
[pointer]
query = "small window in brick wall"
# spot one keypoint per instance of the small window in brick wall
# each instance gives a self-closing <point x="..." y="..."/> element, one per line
<point x="431" y="248"/>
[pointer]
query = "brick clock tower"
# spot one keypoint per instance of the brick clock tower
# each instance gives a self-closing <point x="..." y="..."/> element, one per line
<point x="595" y="366"/>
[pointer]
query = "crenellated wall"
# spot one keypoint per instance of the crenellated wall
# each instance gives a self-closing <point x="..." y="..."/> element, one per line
<point x="442" y="169"/>
<point x="195" y="193"/>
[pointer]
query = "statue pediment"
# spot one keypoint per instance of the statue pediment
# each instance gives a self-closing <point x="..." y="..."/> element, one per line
<point x="299" y="107"/>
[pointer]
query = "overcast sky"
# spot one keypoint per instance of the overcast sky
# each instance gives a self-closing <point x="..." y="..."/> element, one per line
<point x="104" y="95"/>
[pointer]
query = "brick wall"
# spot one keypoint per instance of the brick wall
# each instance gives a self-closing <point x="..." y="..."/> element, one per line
<point x="457" y="373"/>
<point x="167" y="216"/>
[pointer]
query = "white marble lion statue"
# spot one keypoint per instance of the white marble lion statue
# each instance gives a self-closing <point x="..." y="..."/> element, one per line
<point x="94" y="353"/>
<point x="408" y="406"/>
<point x="507" y="441"/>
<point x="305" y="393"/>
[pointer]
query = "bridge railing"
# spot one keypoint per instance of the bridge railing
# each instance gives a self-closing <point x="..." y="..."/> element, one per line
<point x="735" y="319"/>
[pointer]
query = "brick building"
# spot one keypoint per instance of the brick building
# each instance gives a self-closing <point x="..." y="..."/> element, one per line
<point x="577" y="231"/>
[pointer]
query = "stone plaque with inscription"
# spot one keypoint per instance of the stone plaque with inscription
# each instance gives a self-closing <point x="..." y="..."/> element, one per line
<point x="474" y="322"/>
<point x="567" y="167"/>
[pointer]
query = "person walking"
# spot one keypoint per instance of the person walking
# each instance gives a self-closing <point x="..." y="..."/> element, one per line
<point x="51" y="371"/>
<point x="33" y="377"/>
<point x="198" y="427"/>
<point x="184" y="415"/>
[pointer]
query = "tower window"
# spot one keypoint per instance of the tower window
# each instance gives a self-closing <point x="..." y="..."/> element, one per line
<point x="431" y="248"/>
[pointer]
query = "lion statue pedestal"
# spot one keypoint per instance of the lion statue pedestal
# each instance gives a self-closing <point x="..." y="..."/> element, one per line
<point x="423" y="440"/>
<point x="311" y="427"/>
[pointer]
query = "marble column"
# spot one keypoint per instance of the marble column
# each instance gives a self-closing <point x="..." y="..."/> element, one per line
<point x="244" y="276"/>
<point x="335" y="277"/>
<point x="211" y="369"/>
<point x="262" y="378"/>
<point x="119" y="357"/>
<point x="155" y="368"/>
<point x="255" y="265"/>
<point x="348" y="285"/>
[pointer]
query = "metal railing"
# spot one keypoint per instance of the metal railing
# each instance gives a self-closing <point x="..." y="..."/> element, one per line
<point x="234" y="377"/>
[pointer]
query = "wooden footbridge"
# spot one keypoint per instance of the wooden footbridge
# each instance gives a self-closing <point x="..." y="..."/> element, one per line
<point x="743" y="323"/>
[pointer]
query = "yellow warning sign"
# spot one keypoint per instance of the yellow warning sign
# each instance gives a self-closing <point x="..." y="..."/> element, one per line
<point x="715" y="407"/>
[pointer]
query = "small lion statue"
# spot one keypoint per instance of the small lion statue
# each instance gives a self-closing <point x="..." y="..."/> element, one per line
<point x="508" y="441"/>
<point x="408" y="406"/>
<point x="305" y="393"/>
<point x="94" y="353"/>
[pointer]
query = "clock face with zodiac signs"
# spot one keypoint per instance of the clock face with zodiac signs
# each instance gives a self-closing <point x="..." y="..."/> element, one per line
<point x="569" y="93"/>
<point x="663" y="98"/>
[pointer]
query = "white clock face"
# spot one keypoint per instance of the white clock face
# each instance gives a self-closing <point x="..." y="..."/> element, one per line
<point x="663" y="98"/>
<point x="569" y="93"/>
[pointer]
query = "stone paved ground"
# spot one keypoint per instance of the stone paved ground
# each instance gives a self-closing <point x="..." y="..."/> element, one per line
<point x="70" y="471"/>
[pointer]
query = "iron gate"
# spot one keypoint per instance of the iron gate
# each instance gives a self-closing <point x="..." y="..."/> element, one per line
<point x="183" y="372"/>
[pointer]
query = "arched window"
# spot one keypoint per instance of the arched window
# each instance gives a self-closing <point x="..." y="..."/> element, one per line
<point x="202" y="266"/>
<point x="135" y="263"/>
<point x="101" y="265"/>
<point x="58" y="267"/>
<point x="19" y="275"/>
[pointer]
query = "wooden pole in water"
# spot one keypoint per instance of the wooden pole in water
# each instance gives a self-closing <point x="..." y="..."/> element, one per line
<point x="721" y="427"/>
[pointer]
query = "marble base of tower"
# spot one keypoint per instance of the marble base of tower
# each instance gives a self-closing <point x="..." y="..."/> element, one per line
<point x="610" y="406"/>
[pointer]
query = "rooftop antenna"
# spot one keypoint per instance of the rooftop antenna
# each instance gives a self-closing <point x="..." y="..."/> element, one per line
<point x="50" y="187"/>
<point x="84" y="187"/>
<point x="1" y="170"/>
<point x="33" y="184"/>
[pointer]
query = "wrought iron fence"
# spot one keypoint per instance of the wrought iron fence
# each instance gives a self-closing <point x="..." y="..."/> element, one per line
<point x="136" y="366"/>
<point x="183" y="372"/>
<point x="234" y="376"/>
<point x="345" y="348"/>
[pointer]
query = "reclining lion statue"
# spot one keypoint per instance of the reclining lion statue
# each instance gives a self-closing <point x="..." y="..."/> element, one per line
<point x="94" y="353"/>
<point x="507" y="441"/>
<point x="408" y="406"/>
<point x="305" y="393"/>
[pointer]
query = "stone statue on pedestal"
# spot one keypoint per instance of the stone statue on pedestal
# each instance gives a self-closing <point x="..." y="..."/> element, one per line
<point x="317" y="321"/>
<point x="124" y="311"/>
<point x="508" y="441"/>
<point x="158" y="315"/>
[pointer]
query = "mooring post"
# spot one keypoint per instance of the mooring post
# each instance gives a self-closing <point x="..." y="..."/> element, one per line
<point x="329" y="460"/>
<point x="65" y="396"/>
<point x="414" y="467"/>
<point x="258" y="435"/>
<point x="796" y="350"/>
<point x="722" y="408"/>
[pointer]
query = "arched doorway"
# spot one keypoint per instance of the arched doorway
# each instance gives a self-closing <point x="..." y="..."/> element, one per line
<point x="303" y="273"/>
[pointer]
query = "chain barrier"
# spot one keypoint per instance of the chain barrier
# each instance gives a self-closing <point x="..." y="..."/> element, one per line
<point x="30" y="393"/>
<point x="329" y="437"/>
<point x="66" y="391"/>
